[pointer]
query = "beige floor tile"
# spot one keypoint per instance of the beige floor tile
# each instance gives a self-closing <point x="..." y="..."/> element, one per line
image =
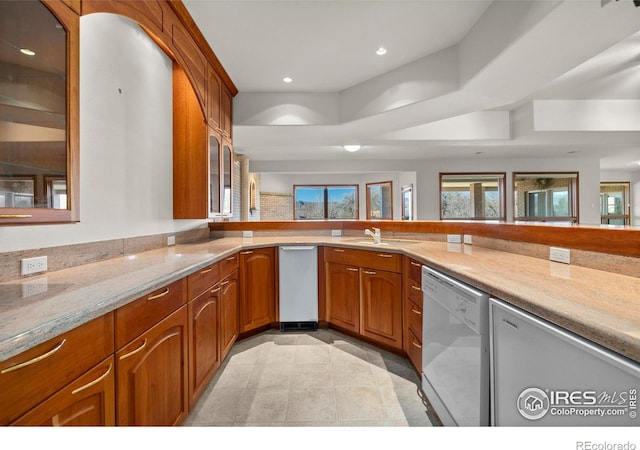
<point x="250" y="355"/>
<point x="235" y="376"/>
<point x="360" y="403"/>
<point x="216" y="407"/>
<point x="280" y="354"/>
<point x="270" y="376"/>
<point x="315" y="354"/>
<point x="355" y="373"/>
<point x="312" y="405"/>
<point x="311" y="375"/>
<point x="262" y="406"/>
<point x="401" y="401"/>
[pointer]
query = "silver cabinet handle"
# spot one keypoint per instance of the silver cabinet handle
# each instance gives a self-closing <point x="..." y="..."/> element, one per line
<point x="338" y="250"/>
<point x="415" y="264"/>
<point x="416" y="288"/>
<point x="248" y="252"/>
<point x="206" y="270"/>
<point x="385" y="255"/>
<point x="415" y="311"/>
<point x="368" y="272"/>
<point x="352" y="269"/>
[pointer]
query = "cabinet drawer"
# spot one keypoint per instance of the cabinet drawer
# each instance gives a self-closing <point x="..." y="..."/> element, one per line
<point x="413" y="317"/>
<point x="414" y="291"/>
<point x="140" y="315"/>
<point x="228" y="265"/>
<point x="30" y="377"/>
<point x="413" y="270"/>
<point x="414" y="351"/>
<point x="202" y="280"/>
<point x="381" y="260"/>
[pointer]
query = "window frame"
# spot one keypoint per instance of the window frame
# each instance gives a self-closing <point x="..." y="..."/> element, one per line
<point x="574" y="200"/>
<point x="502" y="197"/>
<point x="326" y="188"/>
<point x="368" y="200"/>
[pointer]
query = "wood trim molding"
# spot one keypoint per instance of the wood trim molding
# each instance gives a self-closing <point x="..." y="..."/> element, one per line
<point x="617" y="241"/>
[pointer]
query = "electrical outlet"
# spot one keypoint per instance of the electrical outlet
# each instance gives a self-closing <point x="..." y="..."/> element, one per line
<point x="171" y="240"/>
<point x="562" y="255"/>
<point x="33" y="265"/>
<point x="336" y="233"/>
<point x="454" y="238"/>
<point x="34" y="287"/>
<point x="247" y="234"/>
<point x="468" y="239"/>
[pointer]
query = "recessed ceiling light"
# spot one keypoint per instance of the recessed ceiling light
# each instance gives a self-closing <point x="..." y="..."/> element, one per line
<point x="381" y="51"/>
<point x="351" y="147"/>
<point x="27" y="52"/>
<point x="287" y="79"/>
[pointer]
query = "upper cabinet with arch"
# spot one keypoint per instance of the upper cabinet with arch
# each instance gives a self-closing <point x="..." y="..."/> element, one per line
<point x="39" y="105"/>
<point x="39" y="50"/>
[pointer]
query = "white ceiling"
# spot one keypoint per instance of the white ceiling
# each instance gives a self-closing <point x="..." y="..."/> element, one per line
<point x="446" y="62"/>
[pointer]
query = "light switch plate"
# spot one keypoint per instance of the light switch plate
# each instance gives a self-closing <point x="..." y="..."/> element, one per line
<point x="562" y="255"/>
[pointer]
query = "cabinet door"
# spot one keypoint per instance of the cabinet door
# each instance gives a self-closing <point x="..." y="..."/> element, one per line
<point x="214" y="88"/>
<point x="88" y="401"/>
<point x="204" y="351"/>
<point x="343" y="296"/>
<point x="226" y="113"/>
<point x="257" y="288"/>
<point x="228" y="313"/>
<point x="151" y="373"/>
<point x="381" y="308"/>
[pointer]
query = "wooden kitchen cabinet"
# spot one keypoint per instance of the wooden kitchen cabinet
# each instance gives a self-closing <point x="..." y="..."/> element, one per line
<point x="152" y="374"/>
<point x="226" y="113"/>
<point x="214" y="101"/>
<point x="363" y="293"/>
<point x="31" y="377"/>
<point x="229" y="314"/>
<point x="343" y="296"/>
<point x="381" y="306"/>
<point x="257" y="288"/>
<point x="88" y="401"/>
<point x="203" y="312"/>
<point x="413" y="311"/>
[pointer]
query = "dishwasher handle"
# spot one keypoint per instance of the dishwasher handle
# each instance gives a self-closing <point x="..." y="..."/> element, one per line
<point x="297" y="248"/>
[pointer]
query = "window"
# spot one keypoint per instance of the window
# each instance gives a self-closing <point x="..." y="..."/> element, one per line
<point x="325" y="202"/>
<point x="546" y="197"/>
<point x="380" y="201"/>
<point x="615" y="204"/>
<point x="477" y="196"/>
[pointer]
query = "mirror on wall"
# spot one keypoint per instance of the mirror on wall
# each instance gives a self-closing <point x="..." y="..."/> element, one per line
<point x="546" y="197"/>
<point x="380" y="200"/>
<point x="615" y="203"/>
<point x="33" y="107"/>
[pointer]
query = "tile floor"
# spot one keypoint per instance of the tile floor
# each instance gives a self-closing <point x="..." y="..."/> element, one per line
<point x="316" y="378"/>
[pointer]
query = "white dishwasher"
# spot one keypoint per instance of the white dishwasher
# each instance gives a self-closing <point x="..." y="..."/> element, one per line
<point x="455" y="349"/>
<point x="298" y="285"/>
<point x="543" y="375"/>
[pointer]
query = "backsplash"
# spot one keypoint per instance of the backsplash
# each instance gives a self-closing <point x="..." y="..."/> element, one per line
<point x="66" y="256"/>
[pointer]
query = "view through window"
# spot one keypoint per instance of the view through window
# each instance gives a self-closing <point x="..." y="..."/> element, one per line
<point x="546" y="197"/>
<point x="325" y="202"/>
<point x="472" y="196"/>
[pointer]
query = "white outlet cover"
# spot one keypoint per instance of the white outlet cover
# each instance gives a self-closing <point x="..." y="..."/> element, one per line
<point x="33" y="265"/>
<point x="454" y="238"/>
<point x="336" y="233"/>
<point x="561" y="255"/>
<point x="247" y="234"/>
<point x="171" y="240"/>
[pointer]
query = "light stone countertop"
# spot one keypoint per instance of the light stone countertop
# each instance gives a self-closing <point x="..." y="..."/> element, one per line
<point x="601" y="306"/>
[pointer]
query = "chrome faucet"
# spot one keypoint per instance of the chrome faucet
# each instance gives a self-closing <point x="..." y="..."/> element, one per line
<point x="375" y="234"/>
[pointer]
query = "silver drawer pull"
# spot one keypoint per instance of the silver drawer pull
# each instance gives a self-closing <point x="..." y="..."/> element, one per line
<point x="415" y="311"/>
<point x="34" y="360"/>
<point x="231" y="258"/>
<point x="161" y="294"/>
<point x="352" y="269"/>
<point x="206" y="270"/>
<point x="248" y="252"/>
<point x="415" y="264"/>
<point x="416" y="345"/>
<point x="139" y="349"/>
<point x="368" y="272"/>
<point x="224" y="283"/>
<point x="338" y="250"/>
<point x="94" y="382"/>
<point x="216" y="290"/>
<point x="416" y="288"/>
<point x="385" y="255"/>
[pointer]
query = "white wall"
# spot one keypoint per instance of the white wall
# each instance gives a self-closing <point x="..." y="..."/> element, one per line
<point x="125" y="141"/>
<point x="284" y="182"/>
<point x="426" y="186"/>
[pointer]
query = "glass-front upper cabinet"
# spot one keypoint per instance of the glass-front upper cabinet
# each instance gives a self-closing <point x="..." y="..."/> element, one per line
<point x="38" y="113"/>
<point x="214" y="175"/>
<point x="227" y="180"/>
